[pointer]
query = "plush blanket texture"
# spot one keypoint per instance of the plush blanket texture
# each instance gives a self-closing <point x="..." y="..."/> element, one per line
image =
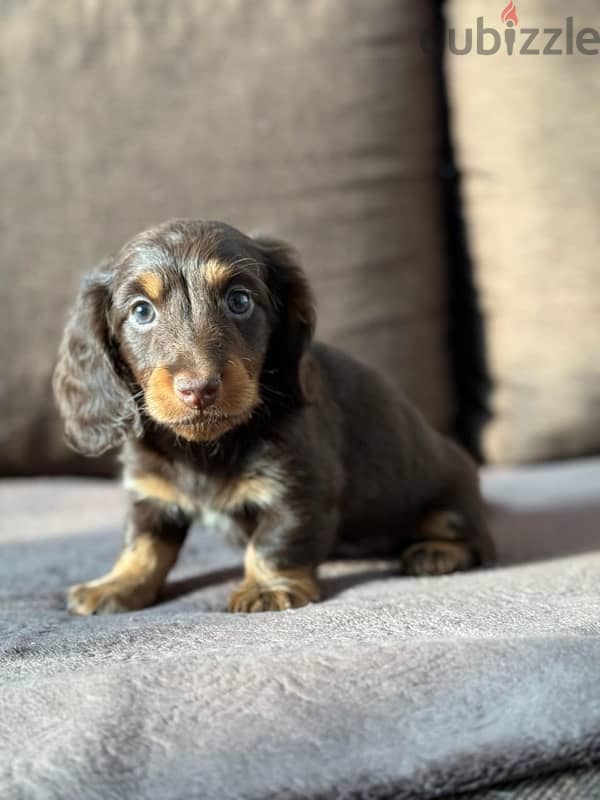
<point x="390" y="688"/>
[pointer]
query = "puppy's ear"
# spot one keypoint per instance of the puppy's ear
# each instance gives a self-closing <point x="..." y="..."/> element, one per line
<point x="95" y="403"/>
<point x="295" y="307"/>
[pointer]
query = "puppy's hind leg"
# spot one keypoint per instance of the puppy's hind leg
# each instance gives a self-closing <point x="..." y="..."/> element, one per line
<point x="439" y="546"/>
<point x="452" y="534"/>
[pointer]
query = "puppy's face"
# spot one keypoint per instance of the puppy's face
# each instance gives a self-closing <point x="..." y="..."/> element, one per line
<point x="195" y="319"/>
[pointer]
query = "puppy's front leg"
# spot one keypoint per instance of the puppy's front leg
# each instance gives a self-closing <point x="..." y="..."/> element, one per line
<point x="154" y="536"/>
<point x="280" y="567"/>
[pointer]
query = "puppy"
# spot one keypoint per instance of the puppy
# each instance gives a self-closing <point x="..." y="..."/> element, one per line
<point x="191" y="349"/>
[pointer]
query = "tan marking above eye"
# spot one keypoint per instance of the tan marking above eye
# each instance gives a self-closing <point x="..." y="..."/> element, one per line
<point x="216" y="273"/>
<point x="152" y="285"/>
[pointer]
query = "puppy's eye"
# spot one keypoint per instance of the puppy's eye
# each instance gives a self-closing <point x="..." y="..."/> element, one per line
<point x="143" y="312"/>
<point x="239" y="303"/>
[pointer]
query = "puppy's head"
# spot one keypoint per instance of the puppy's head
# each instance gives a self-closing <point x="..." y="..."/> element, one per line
<point x="192" y="324"/>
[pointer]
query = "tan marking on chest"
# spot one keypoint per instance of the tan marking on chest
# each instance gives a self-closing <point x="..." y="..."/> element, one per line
<point x="157" y="488"/>
<point x="261" y="491"/>
<point x="256" y="489"/>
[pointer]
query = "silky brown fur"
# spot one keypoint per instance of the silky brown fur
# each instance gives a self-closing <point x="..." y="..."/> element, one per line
<point x="310" y="452"/>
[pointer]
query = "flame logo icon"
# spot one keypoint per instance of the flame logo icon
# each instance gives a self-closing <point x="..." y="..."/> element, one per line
<point x="509" y="14"/>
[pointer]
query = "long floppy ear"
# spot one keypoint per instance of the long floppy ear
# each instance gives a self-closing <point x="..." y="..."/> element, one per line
<point x="296" y="316"/>
<point x="95" y="403"/>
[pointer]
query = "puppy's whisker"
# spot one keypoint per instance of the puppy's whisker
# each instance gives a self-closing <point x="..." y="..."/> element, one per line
<point x="272" y="391"/>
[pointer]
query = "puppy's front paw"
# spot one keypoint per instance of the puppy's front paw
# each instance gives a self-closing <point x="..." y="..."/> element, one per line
<point x="251" y="596"/>
<point x="436" y="558"/>
<point x="108" y="596"/>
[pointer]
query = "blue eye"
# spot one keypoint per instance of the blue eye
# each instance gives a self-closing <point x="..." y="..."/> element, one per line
<point x="143" y="312"/>
<point x="239" y="303"/>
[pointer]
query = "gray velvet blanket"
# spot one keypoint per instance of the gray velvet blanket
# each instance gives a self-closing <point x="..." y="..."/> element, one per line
<point x="390" y="688"/>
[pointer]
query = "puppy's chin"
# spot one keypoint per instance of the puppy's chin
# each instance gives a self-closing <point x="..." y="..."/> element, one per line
<point x="208" y="427"/>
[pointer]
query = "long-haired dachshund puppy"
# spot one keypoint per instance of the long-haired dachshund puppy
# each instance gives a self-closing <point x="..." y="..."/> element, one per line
<point x="191" y="348"/>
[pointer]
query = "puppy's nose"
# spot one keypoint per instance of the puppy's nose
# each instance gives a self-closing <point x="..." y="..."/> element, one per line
<point x="196" y="391"/>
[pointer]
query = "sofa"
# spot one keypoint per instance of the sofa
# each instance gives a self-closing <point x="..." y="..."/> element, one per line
<point x="445" y="210"/>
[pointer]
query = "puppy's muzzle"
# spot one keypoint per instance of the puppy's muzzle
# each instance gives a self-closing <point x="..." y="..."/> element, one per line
<point x="197" y="390"/>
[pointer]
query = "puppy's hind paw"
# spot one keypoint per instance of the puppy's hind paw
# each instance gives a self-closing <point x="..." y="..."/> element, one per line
<point x="436" y="558"/>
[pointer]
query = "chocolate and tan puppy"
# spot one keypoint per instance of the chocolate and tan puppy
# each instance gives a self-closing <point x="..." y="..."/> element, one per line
<point x="191" y="348"/>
